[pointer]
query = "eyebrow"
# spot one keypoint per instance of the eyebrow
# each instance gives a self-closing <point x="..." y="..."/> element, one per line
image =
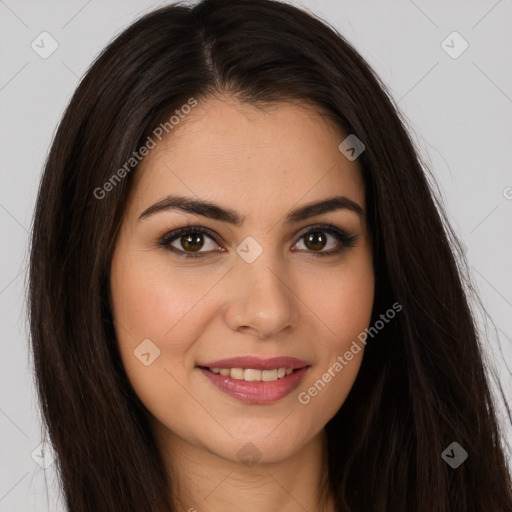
<point x="217" y="212"/>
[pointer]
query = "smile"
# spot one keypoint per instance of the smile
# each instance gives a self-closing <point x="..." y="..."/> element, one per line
<point x="252" y="374"/>
<point x="252" y="380"/>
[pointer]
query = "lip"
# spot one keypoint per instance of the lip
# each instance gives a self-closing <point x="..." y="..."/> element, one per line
<point x="257" y="363"/>
<point x="257" y="392"/>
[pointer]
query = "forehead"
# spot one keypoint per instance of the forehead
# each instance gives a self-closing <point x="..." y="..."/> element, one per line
<point x="250" y="158"/>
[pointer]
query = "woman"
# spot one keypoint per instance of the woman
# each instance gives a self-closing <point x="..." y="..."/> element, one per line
<point x="243" y="295"/>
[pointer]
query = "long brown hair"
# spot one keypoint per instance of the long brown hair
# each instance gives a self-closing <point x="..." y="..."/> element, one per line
<point x="422" y="384"/>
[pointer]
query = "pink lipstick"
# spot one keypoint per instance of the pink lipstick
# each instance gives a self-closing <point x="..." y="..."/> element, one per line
<point x="254" y="380"/>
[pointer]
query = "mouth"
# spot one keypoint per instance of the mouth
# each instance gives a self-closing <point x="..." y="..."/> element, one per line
<point x="252" y="374"/>
<point x="253" y="380"/>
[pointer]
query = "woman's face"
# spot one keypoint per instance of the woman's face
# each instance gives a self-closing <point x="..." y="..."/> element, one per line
<point x="264" y="287"/>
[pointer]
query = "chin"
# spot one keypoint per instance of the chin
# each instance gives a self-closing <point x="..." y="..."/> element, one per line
<point x="257" y="447"/>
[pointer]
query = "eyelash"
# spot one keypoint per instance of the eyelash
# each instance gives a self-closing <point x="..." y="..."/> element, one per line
<point x="346" y="240"/>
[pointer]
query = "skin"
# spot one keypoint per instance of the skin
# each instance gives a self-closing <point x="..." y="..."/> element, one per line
<point x="261" y="163"/>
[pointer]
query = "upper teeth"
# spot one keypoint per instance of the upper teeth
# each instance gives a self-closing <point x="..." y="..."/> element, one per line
<point x="252" y="375"/>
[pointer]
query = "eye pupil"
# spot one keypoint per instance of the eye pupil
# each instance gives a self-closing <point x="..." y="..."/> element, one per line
<point x="188" y="240"/>
<point x="315" y="239"/>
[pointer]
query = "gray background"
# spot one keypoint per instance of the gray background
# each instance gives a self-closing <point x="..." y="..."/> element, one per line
<point x="459" y="110"/>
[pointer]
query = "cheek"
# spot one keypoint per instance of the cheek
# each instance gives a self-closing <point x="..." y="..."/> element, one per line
<point x="343" y="309"/>
<point x="342" y="301"/>
<point x="150" y="304"/>
<point x="348" y="312"/>
<point x="148" y="300"/>
<point x="145" y="307"/>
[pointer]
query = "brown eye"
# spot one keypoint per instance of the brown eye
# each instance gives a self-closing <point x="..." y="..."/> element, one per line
<point x="321" y="241"/>
<point x="192" y="242"/>
<point x="326" y="240"/>
<point x="315" y="240"/>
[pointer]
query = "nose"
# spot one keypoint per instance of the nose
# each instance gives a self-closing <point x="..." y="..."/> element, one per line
<point x="260" y="299"/>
